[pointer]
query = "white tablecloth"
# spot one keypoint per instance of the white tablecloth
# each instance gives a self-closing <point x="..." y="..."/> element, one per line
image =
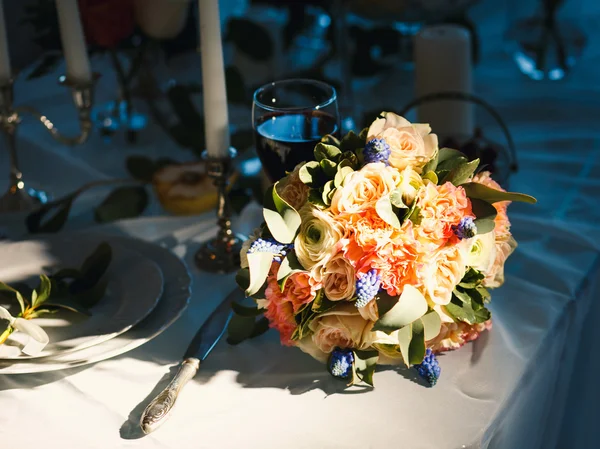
<point x="530" y="383"/>
<point x="503" y="391"/>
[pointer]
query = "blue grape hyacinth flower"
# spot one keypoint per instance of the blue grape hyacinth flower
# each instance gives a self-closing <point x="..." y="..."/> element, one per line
<point x="367" y="287"/>
<point x="269" y="246"/>
<point x="377" y="150"/>
<point x="340" y="363"/>
<point x="466" y="228"/>
<point x="429" y="369"/>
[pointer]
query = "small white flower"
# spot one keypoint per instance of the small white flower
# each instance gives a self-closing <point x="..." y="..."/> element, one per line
<point x="38" y="338"/>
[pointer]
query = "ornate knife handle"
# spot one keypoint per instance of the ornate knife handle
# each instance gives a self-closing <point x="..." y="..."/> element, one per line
<point x="160" y="408"/>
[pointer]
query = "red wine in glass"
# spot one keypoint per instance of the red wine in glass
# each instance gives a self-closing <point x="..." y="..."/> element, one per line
<point x="284" y="139"/>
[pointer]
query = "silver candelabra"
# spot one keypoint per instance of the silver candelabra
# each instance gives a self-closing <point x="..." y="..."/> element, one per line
<point x="20" y="197"/>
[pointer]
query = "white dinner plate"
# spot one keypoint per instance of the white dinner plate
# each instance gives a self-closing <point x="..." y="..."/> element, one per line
<point x="134" y="286"/>
<point x="174" y="300"/>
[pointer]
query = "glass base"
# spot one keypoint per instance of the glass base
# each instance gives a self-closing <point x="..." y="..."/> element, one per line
<point x="22" y="200"/>
<point x="216" y="256"/>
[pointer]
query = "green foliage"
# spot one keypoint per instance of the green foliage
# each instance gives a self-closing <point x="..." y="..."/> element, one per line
<point x="282" y="219"/>
<point x="364" y="366"/>
<point x="485" y="213"/>
<point x="410" y="306"/>
<point x="121" y="203"/>
<point x="469" y="299"/>
<point x="479" y="191"/>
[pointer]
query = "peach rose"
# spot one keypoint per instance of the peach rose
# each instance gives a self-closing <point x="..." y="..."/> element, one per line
<point x="363" y="188"/>
<point x="298" y="290"/>
<point x="280" y="312"/>
<point x="502" y="223"/>
<point x="338" y="279"/>
<point x="441" y="272"/>
<point x="454" y="335"/>
<point x="495" y="276"/>
<point x="341" y="327"/>
<point x="441" y="208"/>
<point x="292" y="190"/>
<point x="370" y="311"/>
<point x="411" y="145"/>
<point x="318" y="237"/>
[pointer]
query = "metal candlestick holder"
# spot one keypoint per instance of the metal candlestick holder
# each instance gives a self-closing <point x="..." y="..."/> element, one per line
<point x="19" y="197"/>
<point x="222" y="254"/>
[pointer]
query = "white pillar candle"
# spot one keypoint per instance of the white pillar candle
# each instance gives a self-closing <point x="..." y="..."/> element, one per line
<point x="216" y="120"/>
<point x="443" y="63"/>
<point x="73" y="41"/>
<point x="5" y="73"/>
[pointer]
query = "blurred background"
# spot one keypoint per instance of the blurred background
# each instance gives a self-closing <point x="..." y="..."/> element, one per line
<point x="524" y="74"/>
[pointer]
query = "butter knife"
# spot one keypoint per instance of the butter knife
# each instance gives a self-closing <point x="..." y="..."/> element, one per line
<point x="207" y="337"/>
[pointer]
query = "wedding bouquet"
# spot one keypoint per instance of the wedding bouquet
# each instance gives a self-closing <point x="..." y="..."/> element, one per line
<point x="380" y="251"/>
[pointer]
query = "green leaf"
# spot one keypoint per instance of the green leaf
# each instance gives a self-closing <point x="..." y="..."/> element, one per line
<point x="432" y="324"/>
<point x="242" y="278"/>
<point x="414" y="214"/>
<point x="341" y="174"/>
<point x="90" y="297"/>
<point x="37" y="221"/>
<point x="20" y="299"/>
<point x="42" y="292"/>
<point x="329" y="168"/>
<point x="432" y="164"/>
<point x="461" y="312"/>
<point x="92" y="269"/>
<point x="365" y="363"/>
<point x="479" y="191"/>
<point x="282" y="219"/>
<point x="461" y="173"/>
<point x="325" y="151"/>
<point x="321" y="303"/>
<point x="416" y="350"/>
<point x="485" y="213"/>
<point x="328" y="191"/>
<point x="310" y="173"/>
<point x="431" y="176"/>
<point x="141" y="167"/>
<point x="245" y="311"/>
<point x="316" y="198"/>
<point x="352" y="141"/>
<point x="239" y="329"/>
<point x="121" y="203"/>
<point x="404" y="339"/>
<point x="384" y="209"/>
<point x="396" y="199"/>
<point x="471" y="279"/>
<point x="447" y="154"/>
<point x="260" y="327"/>
<point x="411" y="306"/>
<point x="259" y="265"/>
<point x="66" y="273"/>
<point x="39" y="312"/>
<point x="328" y="139"/>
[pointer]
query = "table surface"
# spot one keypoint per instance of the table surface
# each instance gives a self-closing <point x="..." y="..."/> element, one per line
<point x="558" y="142"/>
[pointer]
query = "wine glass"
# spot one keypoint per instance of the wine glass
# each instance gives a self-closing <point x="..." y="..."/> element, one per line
<point x="289" y="118"/>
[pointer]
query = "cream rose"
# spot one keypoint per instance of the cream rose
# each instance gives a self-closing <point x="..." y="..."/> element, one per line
<point x="318" y="237"/>
<point x="370" y="311"/>
<point x="411" y="144"/>
<point x="338" y="278"/>
<point x="363" y="188"/>
<point x="441" y="272"/>
<point x="341" y="327"/>
<point x="481" y="252"/>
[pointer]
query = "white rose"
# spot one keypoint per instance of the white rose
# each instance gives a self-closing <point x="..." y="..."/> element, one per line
<point x="318" y="236"/>
<point x="481" y="252"/>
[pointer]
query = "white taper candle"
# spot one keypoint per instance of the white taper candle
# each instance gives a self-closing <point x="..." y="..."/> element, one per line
<point x="443" y="63"/>
<point x="73" y="41"/>
<point x="5" y="73"/>
<point x="216" y="119"/>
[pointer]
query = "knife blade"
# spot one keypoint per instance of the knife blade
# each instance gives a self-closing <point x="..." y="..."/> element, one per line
<point x="207" y="337"/>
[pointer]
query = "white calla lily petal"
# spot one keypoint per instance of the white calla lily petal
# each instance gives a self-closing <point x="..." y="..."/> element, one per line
<point x="38" y="338"/>
<point x="5" y="315"/>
